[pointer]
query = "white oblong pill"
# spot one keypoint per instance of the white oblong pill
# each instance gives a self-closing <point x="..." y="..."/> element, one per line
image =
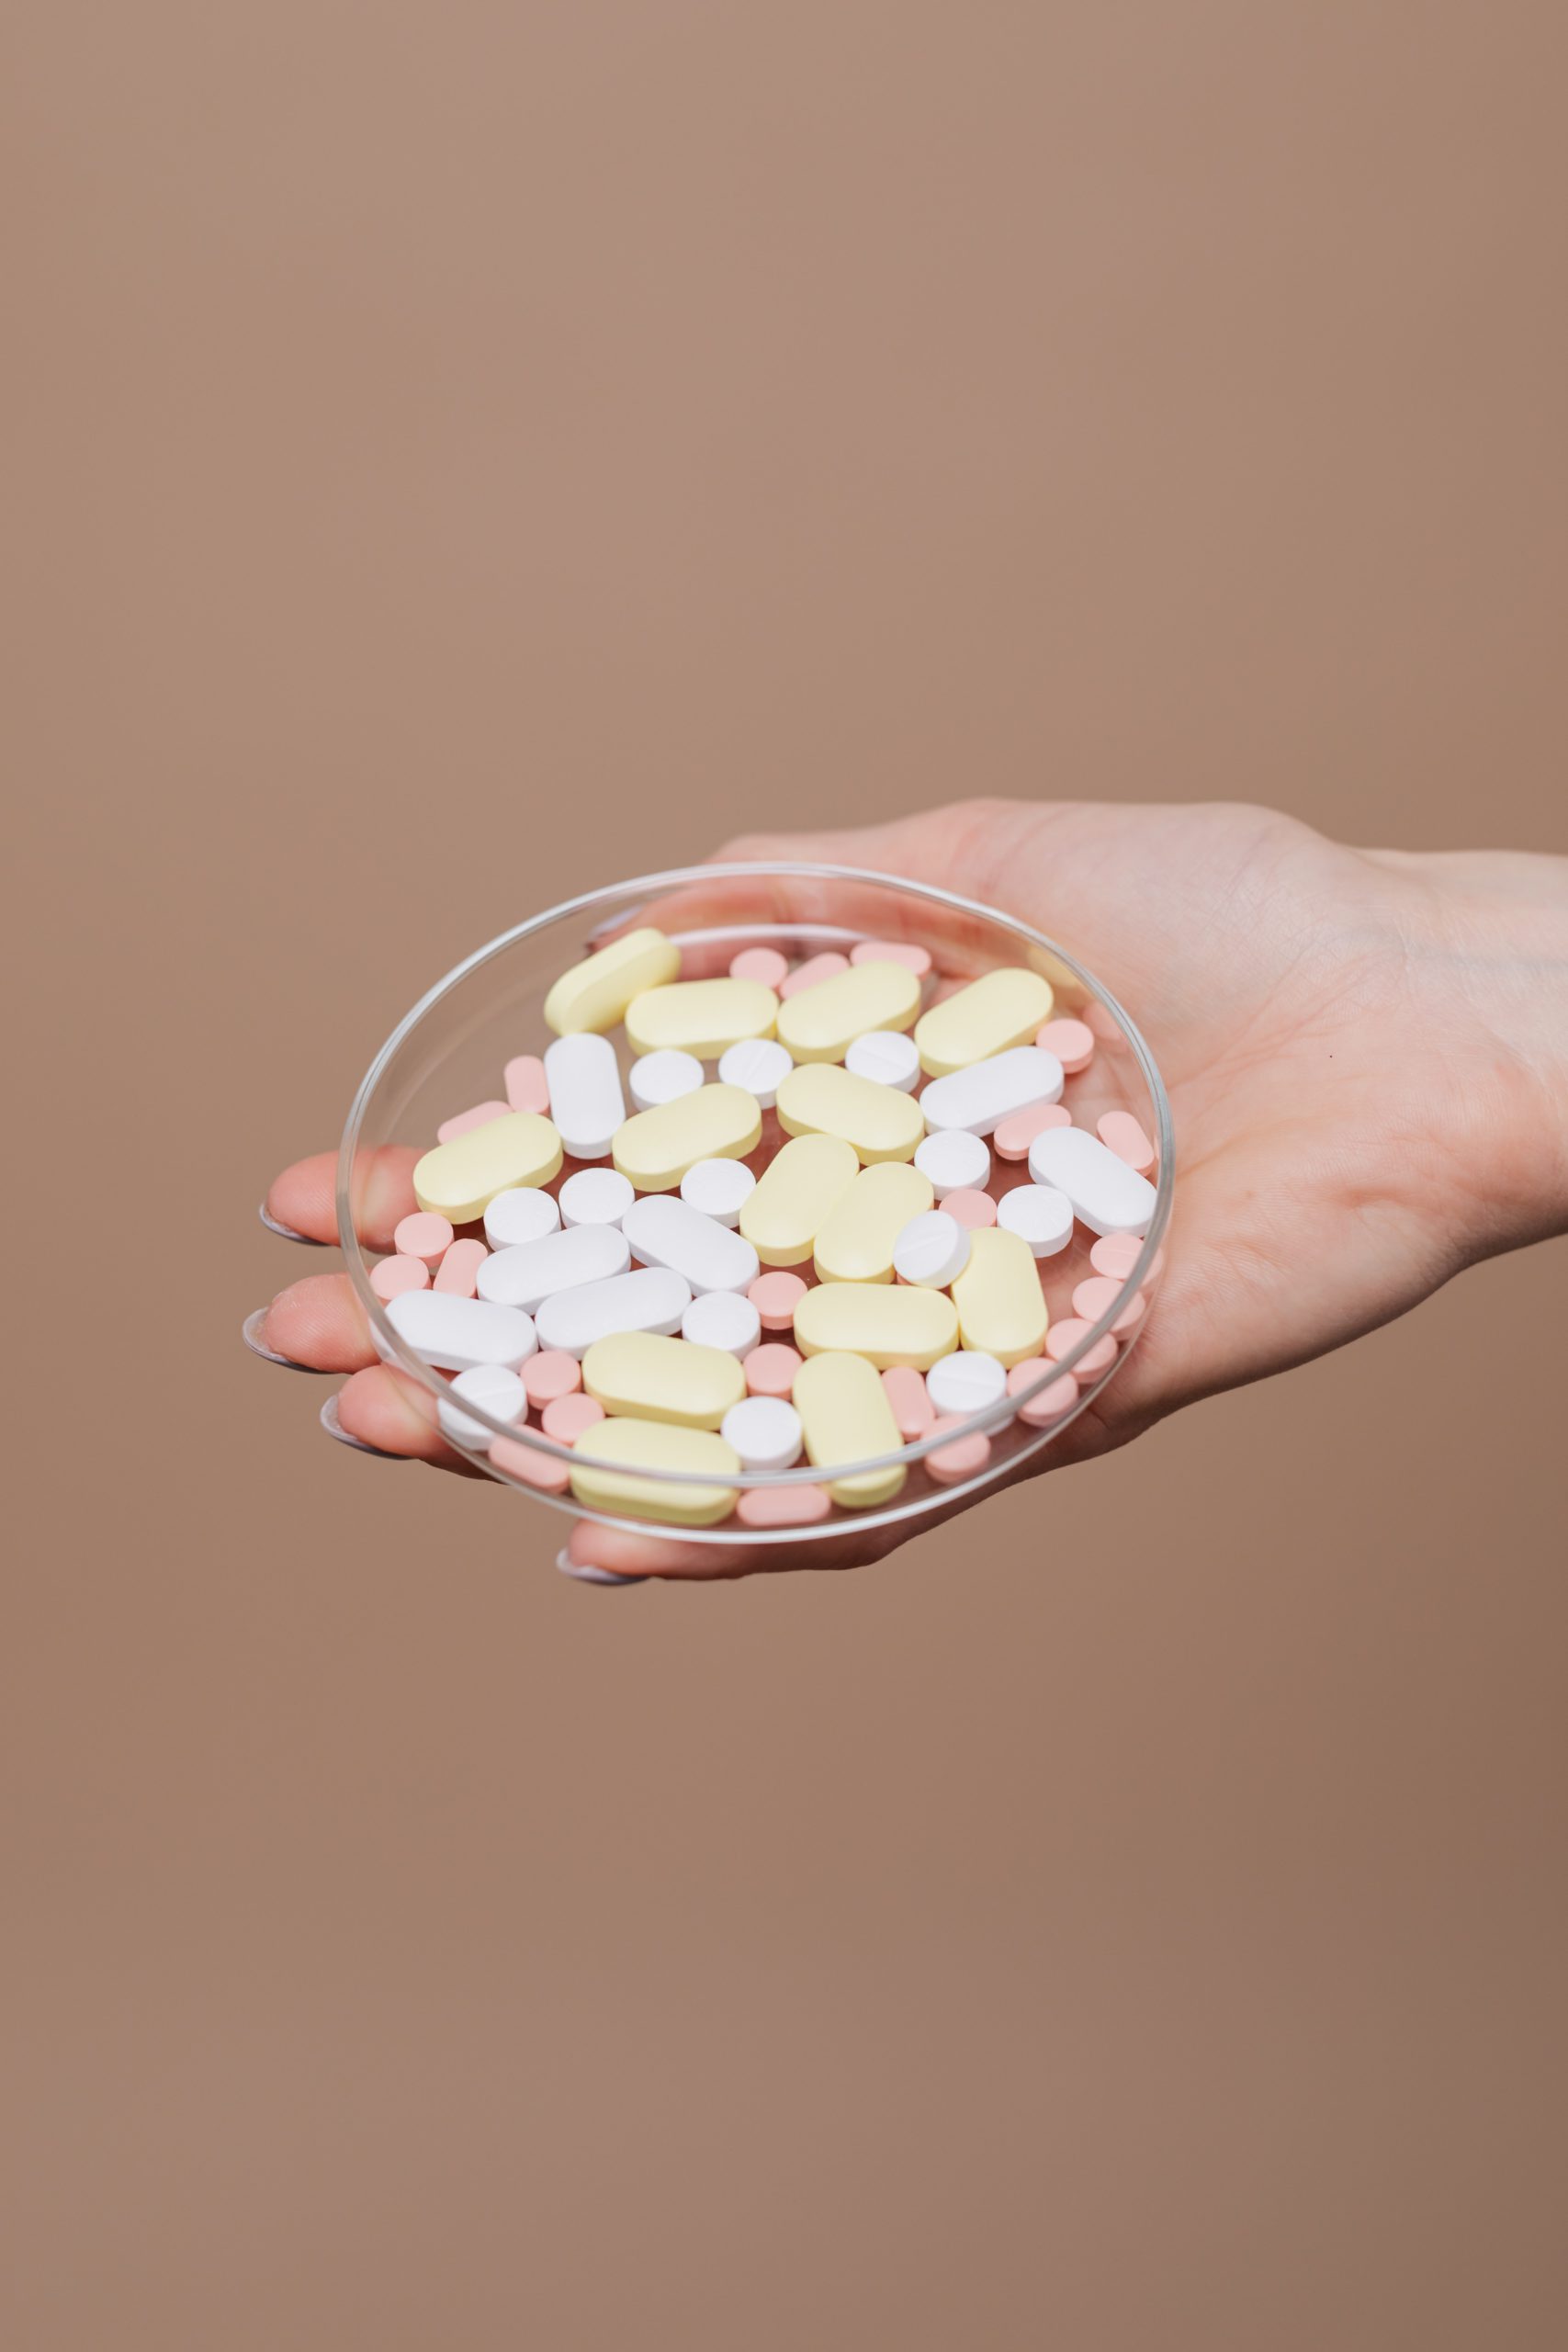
<point x="491" y="1385"/>
<point x="956" y="1162"/>
<point x="1107" y="1196"/>
<point x="651" y="1298"/>
<point x="722" y="1318"/>
<point x="586" y="1101"/>
<point x="595" y="1196"/>
<point x="764" y="1431"/>
<point x="454" y="1334"/>
<point x="536" y="1271"/>
<point x="760" y="1064"/>
<point x="966" y="1381"/>
<point x="886" y="1056"/>
<point x="933" y="1250"/>
<point x="978" y="1097"/>
<point x="719" y="1188"/>
<point x="1039" y="1214"/>
<point x="523" y="1214"/>
<point x="664" y="1230"/>
<point x="663" y="1076"/>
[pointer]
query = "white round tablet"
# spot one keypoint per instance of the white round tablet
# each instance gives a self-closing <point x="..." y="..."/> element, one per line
<point x="933" y="1250"/>
<point x="595" y="1196"/>
<point x="491" y="1386"/>
<point x="523" y="1214"/>
<point x="722" y="1318"/>
<point x="764" y="1431"/>
<point x="887" y="1055"/>
<point x="759" y="1064"/>
<point x="663" y="1077"/>
<point x="954" y="1162"/>
<point x="1039" y="1214"/>
<point x="718" y="1187"/>
<point x="966" y="1382"/>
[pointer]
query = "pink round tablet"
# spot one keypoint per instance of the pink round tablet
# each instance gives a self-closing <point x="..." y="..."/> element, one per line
<point x="549" y="1375"/>
<point x="907" y="1394"/>
<point x="815" y="968"/>
<point x="422" y="1235"/>
<point x="458" y="1269"/>
<point x="1120" y="1133"/>
<point x="480" y="1116"/>
<point x="770" y="1370"/>
<point x="970" y="1207"/>
<point x="1072" y="1042"/>
<point x="1098" y="1294"/>
<point x="775" y="1295"/>
<point x="527" y="1087"/>
<point x="1062" y="1337"/>
<point x="800" y="1505"/>
<point x="1014" y="1135"/>
<point x="893" y="951"/>
<point x="963" y="1459"/>
<point x="566" y="1418"/>
<point x="546" y="1471"/>
<point x="765" y="964"/>
<point x="1116" y="1254"/>
<point x="395" y="1275"/>
<point x="1057" y="1397"/>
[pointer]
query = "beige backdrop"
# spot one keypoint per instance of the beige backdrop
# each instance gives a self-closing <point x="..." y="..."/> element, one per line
<point x="464" y="453"/>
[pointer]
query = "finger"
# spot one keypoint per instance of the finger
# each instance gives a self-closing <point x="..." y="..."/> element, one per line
<point x="385" y="1409"/>
<point x="319" y="1322"/>
<point x="304" y="1197"/>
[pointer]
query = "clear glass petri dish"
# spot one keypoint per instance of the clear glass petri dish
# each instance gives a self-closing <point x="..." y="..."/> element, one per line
<point x="449" y="1051"/>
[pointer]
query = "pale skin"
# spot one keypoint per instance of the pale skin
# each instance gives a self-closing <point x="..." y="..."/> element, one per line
<point x="1367" y="1057"/>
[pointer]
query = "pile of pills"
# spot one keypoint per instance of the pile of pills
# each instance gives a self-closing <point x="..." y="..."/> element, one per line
<point x="813" y="1218"/>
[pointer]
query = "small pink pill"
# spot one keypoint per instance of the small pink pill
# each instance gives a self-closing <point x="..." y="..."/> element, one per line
<point x="395" y="1275"/>
<point x="424" y="1236"/>
<point x="1058" y="1397"/>
<point x="770" y="1370"/>
<point x="1120" y="1133"/>
<point x="765" y="964"/>
<point x="566" y="1418"/>
<point x="1064" y="1337"/>
<point x="912" y="1407"/>
<point x="775" y="1298"/>
<point x="970" y="1207"/>
<point x="549" y="1375"/>
<point x="962" y="1458"/>
<point x="893" y="951"/>
<point x="480" y="1116"/>
<point x="800" y="1505"/>
<point x="815" y="968"/>
<point x="1098" y="1294"/>
<point x="546" y="1471"/>
<point x="1072" y="1042"/>
<point x="1116" y="1254"/>
<point x="1014" y="1135"/>
<point x="527" y="1087"/>
<point x="455" y="1275"/>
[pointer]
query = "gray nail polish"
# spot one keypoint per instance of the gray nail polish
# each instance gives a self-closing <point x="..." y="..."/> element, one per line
<point x="570" y="1567"/>
<point x="249" y="1330"/>
<point x="335" y="1428"/>
<point x="287" y="1232"/>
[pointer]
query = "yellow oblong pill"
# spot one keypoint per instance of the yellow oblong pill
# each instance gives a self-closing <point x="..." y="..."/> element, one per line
<point x="794" y="1196"/>
<point x="1001" y="1009"/>
<point x="657" y="1379"/>
<point x="654" y="1148"/>
<point x="1001" y="1307"/>
<point x="822" y="1024"/>
<point x="856" y="1243"/>
<point x="595" y="993"/>
<point x="845" y="1417"/>
<point x="459" y="1180"/>
<point x="700" y="1017"/>
<point x="887" y="1323"/>
<point x="626" y="1446"/>
<point x="877" y="1122"/>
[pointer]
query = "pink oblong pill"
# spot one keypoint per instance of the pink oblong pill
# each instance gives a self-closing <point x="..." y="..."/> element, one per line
<point x="775" y="1297"/>
<point x="962" y="1459"/>
<point x="1098" y="1294"/>
<point x="423" y="1234"/>
<point x="1064" y="1337"/>
<point x="970" y="1207"/>
<point x="1072" y="1042"/>
<point x="527" y="1087"/>
<point x="546" y="1471"/>
<point x="480" y="1116"/>
<point x="893" y="951"/>
<point x="550" y="1374"/>
<point x="566" y="1418"/>
<point x="1014" y="1135"/>
<point x="1120" y="1133"/>
<point x="800" y="1505"/>
<point x="770" y="1370"/>
<point x="1057" y="1397"/>
<point x="765" y="964"/>
<point x="1116" y="1254"/>
<point x="456" y="1270"/>
<point x="815" y="968"/>
<point x="395" y="1275"/>
<point x="907" y="1395"/>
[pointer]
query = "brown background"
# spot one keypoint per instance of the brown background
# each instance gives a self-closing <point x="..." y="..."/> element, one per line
<point x="463" y="454"/>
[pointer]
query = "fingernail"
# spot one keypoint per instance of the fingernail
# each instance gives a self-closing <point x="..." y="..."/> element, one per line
<point x="287" y="1232"/>
<point x="250" y="1331"/>
<point x="570" y="1567"/>
<point x="335" y="1428"/>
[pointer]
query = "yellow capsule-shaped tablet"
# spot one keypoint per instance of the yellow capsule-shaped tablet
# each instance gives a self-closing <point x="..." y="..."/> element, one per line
<point x="856" y="1243"/>
<point x="459" y="1180"/>
<point x="794" y="1196"/>
<point x="701" y="1017"/>
<point x="887" y="1323"/>
<point x="823" y="1099"/>
<point x="595" y="993"/>
<point x="1001" y="1009"/>
<point x="701" y="1456"/>
<point x="1001" y="1307"/>
<point x="845" y="1417"/>
<point x="822" y="1024"/>
<point x="657" y="1379"/>
<point x="654" y="1149"/>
